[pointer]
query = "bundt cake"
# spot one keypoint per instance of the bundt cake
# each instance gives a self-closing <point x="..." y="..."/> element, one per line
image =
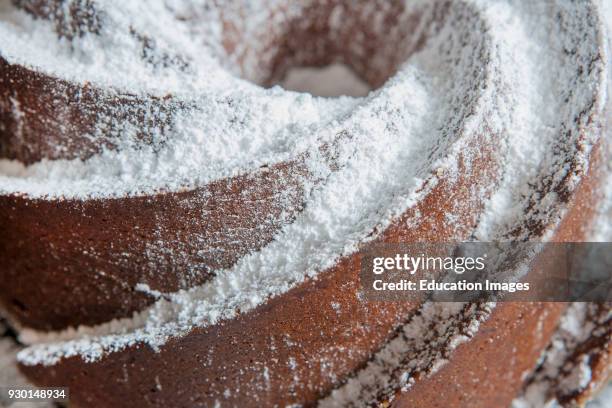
<point x="179" y="230"/>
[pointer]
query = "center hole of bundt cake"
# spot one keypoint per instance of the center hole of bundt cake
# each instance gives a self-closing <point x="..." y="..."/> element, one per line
<point x="329" y="81"/>
<point x="326" y="48"/>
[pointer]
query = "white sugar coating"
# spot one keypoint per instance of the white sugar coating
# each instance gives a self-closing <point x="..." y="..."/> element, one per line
<point x="235" y="127"/>
<point x="560" y="372"/>
<point x="579" y="377"/>
<point x="504" y="210"/>
<point x="380" y="181"/>
<point x="564" y="368"/>
<point x="420" y="347"/>
<point x="534" y="150"/>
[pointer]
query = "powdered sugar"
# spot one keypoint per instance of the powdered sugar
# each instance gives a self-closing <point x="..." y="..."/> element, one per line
<point x="532" y="161"/>
<point x="565" y="369"/>
<point x="381" y="183"/>
<point x="420" y="347"/>
<point x="228" y="126"/>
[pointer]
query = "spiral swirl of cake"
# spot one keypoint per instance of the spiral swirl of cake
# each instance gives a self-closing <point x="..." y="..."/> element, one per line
<point x="179" y="231"/>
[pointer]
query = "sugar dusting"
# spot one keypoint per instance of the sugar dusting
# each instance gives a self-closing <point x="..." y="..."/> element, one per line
<point x="526" y="161"/>
<point x="565" y="367"/>
<point x="422" y="346"/>
<point x="229" y="126"/>
<point x="245" y="285"/>
<point x="564" y="370"/>
<point x="374" y="185"/>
